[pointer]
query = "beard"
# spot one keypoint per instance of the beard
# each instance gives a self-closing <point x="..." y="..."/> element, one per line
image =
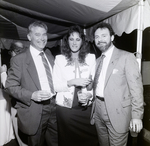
<point x="104" y="46"/>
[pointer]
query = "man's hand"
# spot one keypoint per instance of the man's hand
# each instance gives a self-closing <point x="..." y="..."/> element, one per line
<point x="41" y="95"/>
<point x="136" y="125"/>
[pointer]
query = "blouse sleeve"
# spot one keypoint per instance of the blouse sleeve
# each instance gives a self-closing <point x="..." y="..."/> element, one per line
<point x="60" y="83"/>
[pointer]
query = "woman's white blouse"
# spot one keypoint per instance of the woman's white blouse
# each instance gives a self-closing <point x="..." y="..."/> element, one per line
<point x="62" y="72"/>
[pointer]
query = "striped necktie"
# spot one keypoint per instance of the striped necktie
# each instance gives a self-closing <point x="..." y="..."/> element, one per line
<point x="98" y="71"/>
<point x="48" y="72"/>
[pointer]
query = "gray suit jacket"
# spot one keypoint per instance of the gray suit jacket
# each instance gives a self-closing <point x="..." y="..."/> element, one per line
<point x="21" y="82"/>
<point x="123" y="91"/>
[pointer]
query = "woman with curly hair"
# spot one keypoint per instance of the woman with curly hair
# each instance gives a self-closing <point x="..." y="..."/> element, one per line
<point x="73" y="72"/>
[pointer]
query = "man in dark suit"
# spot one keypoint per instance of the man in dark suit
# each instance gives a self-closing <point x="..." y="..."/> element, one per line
<point x="28" y="82"/>
<point x="118" y="91"/>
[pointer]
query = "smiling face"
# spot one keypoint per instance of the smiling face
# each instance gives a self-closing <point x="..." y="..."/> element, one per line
<point x="38" y="37"/>
<point x="103" y="39"/>
<point x="75" y="42"/>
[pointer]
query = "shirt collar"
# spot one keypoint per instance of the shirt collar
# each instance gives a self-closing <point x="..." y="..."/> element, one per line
<point x="109" y="51"/>
<point x="34" y="51"/>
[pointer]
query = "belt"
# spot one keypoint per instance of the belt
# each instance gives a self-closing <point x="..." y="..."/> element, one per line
<point x="100" y="98"/>
<point x="45" y="102"/>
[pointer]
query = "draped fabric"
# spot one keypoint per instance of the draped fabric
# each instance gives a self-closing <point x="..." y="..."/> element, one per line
<point x="6" y="128"/>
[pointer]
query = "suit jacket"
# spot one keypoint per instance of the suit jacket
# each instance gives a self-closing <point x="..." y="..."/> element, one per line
<point x="22" y="81"/>
<point x="123" y="91"/>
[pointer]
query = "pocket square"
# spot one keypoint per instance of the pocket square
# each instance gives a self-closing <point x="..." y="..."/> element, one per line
<point x="115" y="71"/>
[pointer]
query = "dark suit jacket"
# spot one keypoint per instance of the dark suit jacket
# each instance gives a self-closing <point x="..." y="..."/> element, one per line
<point x="21" y="82"/>
<point x="123" y="90"/>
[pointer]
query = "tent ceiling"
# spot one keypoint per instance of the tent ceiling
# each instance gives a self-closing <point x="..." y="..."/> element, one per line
<point x="16" y="15"/>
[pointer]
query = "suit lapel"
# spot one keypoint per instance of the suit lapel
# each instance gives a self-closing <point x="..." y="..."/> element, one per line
<point x="111" y="66"/>
<point x="32" y="70"/>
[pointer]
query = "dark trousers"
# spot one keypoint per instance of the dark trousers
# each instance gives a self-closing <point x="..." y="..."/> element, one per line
<point x="47" y="131"/>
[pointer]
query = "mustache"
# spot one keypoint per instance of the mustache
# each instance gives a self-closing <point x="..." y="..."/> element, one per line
<point x="100" y="42"/>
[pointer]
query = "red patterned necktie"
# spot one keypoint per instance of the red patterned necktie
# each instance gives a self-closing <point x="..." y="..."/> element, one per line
<point x="48" y="72"/>
<point x="98" y="71"/>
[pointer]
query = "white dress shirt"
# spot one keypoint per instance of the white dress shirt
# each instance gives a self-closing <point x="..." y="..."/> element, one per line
<point x="41" y="69"/>
<point x="101" y="80"/>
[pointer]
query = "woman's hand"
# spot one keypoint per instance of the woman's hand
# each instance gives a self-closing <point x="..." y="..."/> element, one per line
<point x="83" y="97"/>
<point x="83" y="82"/>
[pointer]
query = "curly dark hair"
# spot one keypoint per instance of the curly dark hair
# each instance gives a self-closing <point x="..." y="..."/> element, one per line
<point x="65" y="49"/>
<point x="104" y="25"/>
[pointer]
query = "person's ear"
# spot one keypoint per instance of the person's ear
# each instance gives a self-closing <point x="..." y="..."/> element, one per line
<point x="29" y="37"/>
<point x="13" y="53"/>
<point x="112" y="38"/>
